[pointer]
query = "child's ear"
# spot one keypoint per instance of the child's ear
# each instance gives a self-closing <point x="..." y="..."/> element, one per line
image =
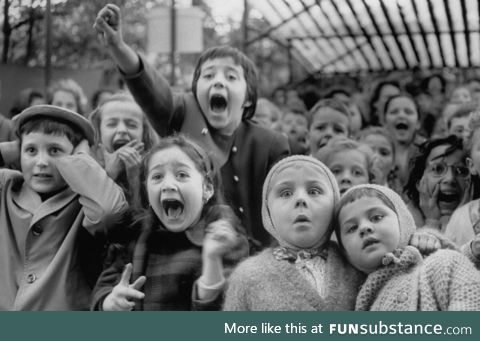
<point x="471" y="166"/>
<point x="208" y="191"/>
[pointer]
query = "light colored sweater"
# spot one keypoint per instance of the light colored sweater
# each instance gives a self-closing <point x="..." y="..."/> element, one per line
<point x="264" y="283"/>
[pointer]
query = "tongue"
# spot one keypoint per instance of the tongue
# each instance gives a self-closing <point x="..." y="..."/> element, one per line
<point x="174" y="213"/>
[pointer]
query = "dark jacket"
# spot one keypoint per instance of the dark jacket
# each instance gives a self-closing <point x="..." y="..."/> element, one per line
<point x="249" y="153"/>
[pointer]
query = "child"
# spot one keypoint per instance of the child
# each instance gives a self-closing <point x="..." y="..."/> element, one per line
<point x="328" y="118"/>
<point x="464" y="223"/>
<point x="216" y="115"/>
<point x="351" y="162"/>
<point x="51" y="211"/>
<point x="66" y="93"/>
<point x="373" y="229"/>
<point x="381" y="142"/>
<point x="402" y="120"/>
<point x="295" y="126"/>
<point x="123" y="134"/>
<point x="457" y="123"/>
<point x="175" y="251"/>
<point x="306" y="271"/>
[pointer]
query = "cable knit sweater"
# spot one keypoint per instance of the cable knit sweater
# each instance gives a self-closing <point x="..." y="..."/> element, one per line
<point x="265" y="283"/>
<point x="445" y="280"/>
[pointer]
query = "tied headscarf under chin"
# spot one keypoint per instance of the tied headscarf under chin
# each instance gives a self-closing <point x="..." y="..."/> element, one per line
<point x="280" y="166"/>
<point x="406" y="222"/>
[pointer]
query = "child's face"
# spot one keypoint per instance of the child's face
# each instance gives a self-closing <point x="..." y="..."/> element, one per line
<point x="295" y="126"/>
<point x="475" y="153"/>
<point x="369" y="229"/>
<point x="383" y="152"/>
<point x="176" y="189"/>
<point x="121" y="122"/>
<point x="401" y="119"/>
<point x="301" y="206"/>
<point x="350" y="168"/>
<point x="326" y="124"/>
<point x="459" y="127"/>
<point x="461" y="95"/>
<point x="38" y="154"/>
<point x="65" y="99"/>
<point x="221" y="93"/>
<point x="439" y="170"/>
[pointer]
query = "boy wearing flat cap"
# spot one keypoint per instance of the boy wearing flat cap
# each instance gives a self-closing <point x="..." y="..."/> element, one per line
<point x="52" y="213"/>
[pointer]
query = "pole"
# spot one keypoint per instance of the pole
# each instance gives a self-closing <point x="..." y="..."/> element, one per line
<point x="173" y="47"/>
<point x="245" y="25"/>
<point x="48" y="46"/>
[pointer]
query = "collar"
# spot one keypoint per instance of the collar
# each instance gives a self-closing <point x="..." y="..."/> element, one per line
<point x="284" y="253"/>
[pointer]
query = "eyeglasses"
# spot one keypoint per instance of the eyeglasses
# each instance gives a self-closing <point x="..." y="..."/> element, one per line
<point x="439" y="169"/>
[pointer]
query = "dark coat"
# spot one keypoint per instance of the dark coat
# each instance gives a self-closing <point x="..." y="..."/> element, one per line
<point x="249" y="153"/>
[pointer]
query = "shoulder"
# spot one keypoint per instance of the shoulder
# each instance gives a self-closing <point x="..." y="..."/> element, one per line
<point x="444" y="260"/>
<point x="254" y="267"/>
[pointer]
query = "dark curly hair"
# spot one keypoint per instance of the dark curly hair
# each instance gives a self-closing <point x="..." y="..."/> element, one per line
<point x="419" y="162"/>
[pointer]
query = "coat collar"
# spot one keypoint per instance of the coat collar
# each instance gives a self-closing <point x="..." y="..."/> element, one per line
<point x="29" y="200"/>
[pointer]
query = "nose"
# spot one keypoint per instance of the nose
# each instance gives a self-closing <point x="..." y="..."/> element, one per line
<point x="169" y="184"/>
<point x="121" y="127"/>
<point x="365" y="229"/>
<point x="328" y="133"/>
<point x="345" y="177"/>
<point x="300" y="201"/>
<point x="449" y="176"/>
<point x="42" y="159"/>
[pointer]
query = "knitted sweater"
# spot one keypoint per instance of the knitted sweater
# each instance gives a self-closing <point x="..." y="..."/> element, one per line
<point x="265" y="283"/>
<point x="445" y="280"/>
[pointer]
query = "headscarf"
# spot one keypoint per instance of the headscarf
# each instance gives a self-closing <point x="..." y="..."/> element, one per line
<point x="269" y="182"/>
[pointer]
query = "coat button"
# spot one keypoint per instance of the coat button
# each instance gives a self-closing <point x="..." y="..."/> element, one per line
<point x="235" y="178"/>
<point x="402" y="297"/>
<point x="36" y="230"/>
<point x="240" y="209"/>
<point x="31" y="278"/>
<point x="204" y="131"/>
<point x="234" y="149"/>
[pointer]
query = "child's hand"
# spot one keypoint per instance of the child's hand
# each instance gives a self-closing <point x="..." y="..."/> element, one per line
<point x="108" y="25"/>
<point x="475" y="246"/>
<point x="124" y="294"/>
<point x="429" y="200"/>
<point x="11" y="153"/>
<point x="425" y="242"/>
<point x="220" y="238"/>
<point x="82" y="147"/>
<point x="131" y="154"/>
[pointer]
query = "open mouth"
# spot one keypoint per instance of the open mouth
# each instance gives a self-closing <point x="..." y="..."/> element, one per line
<point x="369" y="242"/>
<point x="119" y="143"/>
<point x="401" y="126"/>
<point x="218" y="103"/>
<point x="448" y="197"/>
<point x="173" y="208"/>
<point x="323" y="142"/>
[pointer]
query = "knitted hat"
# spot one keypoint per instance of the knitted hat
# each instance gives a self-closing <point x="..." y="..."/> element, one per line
<point x="405" y="218"/>
<point x="58" y="114"/>
<point x="269" y="182"/>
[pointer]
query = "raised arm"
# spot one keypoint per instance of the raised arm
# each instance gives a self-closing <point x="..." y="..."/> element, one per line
<point x="150" y="90"/>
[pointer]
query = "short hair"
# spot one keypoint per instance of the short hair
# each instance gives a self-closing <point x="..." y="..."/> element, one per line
<point x="374" y="130"/>
<point x="249" y="71"/>
<point x="49" y="126"/>
<point x="418" y="163"/>
<point x="328" y="103"/>
<point x="376" y="94"/>
<point x="463" y="110"/>
<point x="352" y="196"/>
<point x="339" y="144"/>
